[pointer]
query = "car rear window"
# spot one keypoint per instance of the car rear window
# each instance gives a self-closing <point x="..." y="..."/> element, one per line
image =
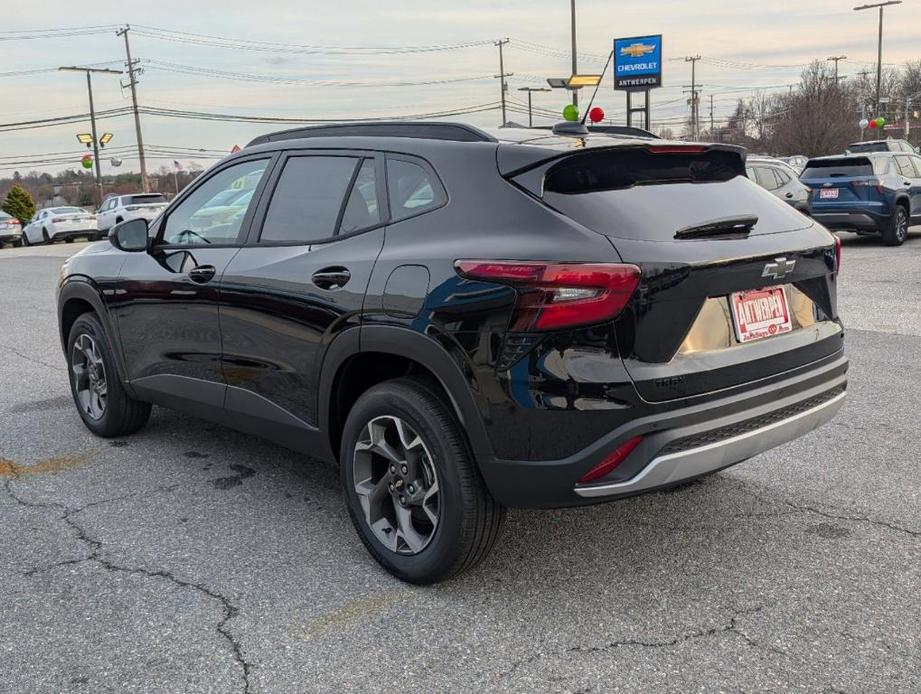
<point x="143" y="199"/>
<point x="843" y="167"/>
<point x="649" y="197"/>
<point x="869" y="147"/>
<point x="67" y="210"/>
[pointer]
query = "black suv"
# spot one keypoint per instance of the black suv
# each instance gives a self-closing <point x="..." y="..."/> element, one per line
<point x="467" y="321"/>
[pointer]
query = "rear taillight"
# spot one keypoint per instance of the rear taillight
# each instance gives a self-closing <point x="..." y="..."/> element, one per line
<point x="554" y="296"/>
<point x="13" y="220"/>
<point x="58" y="219"/>
<point x="837" y="254"/>
<point x="870" y="183"/>
<point x="611" y="460"/>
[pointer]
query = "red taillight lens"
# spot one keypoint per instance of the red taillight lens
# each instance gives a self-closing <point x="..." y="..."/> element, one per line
<point x="553" y="296"/>
<point x="57" y="219"/>
<point x="837" y="254"/>
<point x="611" y="460"/>
<point x="13" y="220"/>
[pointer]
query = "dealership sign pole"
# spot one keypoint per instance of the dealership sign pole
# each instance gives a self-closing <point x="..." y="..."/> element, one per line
<point x="638" y="68"/>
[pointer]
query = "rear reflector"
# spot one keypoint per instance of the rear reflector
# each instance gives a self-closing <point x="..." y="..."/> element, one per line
<point x="611" y="460"/>
<point x="554" y="296"/>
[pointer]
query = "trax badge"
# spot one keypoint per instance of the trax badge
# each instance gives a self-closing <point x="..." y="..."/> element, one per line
<point x="637" y="50"/>
<point x="779" y="269"/>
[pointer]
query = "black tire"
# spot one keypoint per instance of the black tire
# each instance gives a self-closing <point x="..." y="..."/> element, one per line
<point x="25" y="239"/>
<point x="17" y="243"/>
<point x="469" y="519"/>
<point x="120" y="414"/>
<point x="47" y="238"/>
<point x="69" y="239"/>
<point x="896" y="231"/>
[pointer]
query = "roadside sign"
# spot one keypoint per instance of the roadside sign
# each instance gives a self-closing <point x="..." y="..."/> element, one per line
<point x="638" y="63"/>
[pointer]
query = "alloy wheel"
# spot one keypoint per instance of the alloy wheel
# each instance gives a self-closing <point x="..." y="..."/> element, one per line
<point x="397" y="485"/>
<point x="89" y="376"/>
<point x="901" y="230"/>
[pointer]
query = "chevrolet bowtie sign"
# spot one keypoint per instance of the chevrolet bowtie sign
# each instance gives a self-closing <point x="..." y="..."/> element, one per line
<point x="638" y="63"/>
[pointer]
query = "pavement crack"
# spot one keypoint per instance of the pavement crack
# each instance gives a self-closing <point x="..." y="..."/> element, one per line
<point x="30" y="358"/>
<point x="95" y="547"/>
<point x="856" y="519"/>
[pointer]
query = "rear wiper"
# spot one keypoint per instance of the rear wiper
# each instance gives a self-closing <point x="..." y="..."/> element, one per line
<point x="724" y="226"/>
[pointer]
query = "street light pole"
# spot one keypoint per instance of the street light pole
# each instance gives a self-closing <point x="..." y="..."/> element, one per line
<point x="879" y="52"/>
<point x="531" y="90"/>
<point x="89" y="88"/>
<point x="575" y="61"/>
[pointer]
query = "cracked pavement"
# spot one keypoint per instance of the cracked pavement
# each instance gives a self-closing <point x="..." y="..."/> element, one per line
<point x="190" y="558"/>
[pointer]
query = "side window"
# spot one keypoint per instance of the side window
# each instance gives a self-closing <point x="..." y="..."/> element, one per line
<point x="782" y="178"/>
<point x="765" y="178"/>
<point x="411" y="188"/>
<point x="916" y="160"/>
<point x="214" y="211"/>
<point x="905" y="167"/>
<point x="308" y="200"/>
<point x="361" y="209"/>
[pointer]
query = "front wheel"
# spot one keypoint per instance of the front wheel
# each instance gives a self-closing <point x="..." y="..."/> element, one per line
<point x="895" y="233"/>
<point x="412" y="488"/>
<point x="102" y="402"/>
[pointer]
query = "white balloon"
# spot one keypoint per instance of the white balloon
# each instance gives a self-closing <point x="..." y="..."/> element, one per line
<point x="864" y="122"/>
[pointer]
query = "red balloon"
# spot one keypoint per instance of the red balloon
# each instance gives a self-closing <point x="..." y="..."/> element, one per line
<point x="596" y="114"/>
<point x="873" y="124"/>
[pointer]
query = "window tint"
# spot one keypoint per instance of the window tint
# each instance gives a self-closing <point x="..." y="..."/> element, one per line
<point x="783" y="178"/>
<point x="361" y="210"/>
<point x="214" y="212"/>
<point x="146" y="199"/>
<point x="842" y="167"/>
<point x="308" y="198"/>
<point x="411" y="189"/>
<point x="765" y="178"/>
<point x="906" y="167"/>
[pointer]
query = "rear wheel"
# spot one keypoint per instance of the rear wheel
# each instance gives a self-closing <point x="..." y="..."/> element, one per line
<point x="895" y="233"/>
<point x="17" y="243"/>
<point x="102" y="402"/>
<point x="411" y="485"/>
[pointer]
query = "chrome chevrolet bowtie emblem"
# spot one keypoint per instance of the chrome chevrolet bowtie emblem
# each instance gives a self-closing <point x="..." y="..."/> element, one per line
<point x="780" y="268"/>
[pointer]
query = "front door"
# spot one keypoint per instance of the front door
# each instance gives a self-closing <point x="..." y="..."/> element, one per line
<point x="298" y="283"/>
<point x="166" y="300"/>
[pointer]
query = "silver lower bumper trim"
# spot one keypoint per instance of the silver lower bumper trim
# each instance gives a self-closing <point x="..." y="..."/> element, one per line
<point x="682" y="465"/>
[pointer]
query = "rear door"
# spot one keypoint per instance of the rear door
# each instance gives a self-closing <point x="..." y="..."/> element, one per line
<point x="911" y="180"/>
<point x="708" y="241"/>
<point x="299" y="282"/>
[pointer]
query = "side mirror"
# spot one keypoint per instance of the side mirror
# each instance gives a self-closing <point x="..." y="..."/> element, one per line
<point x="130" y="236"/>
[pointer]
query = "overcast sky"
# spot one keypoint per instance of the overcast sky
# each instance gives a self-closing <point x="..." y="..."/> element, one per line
<point x="781" y="33"/>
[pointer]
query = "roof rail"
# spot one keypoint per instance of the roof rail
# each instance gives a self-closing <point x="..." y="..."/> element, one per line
<point x="458" y="132"/>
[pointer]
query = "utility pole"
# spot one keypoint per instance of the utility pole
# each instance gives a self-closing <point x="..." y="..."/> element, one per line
<point x="89" y="87"/>
<point x="132" y="81"/>
<point x="879" y="51"/>
<point x="695" y="111"/>
<point x="575" y="61"/>
<point x="501" y="77"/>
<point x="712" y="127"/>
<point x="531" y="90"/>
<point x="836" y="59"/>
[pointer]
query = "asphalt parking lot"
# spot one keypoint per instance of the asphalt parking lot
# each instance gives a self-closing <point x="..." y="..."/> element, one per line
<point x="189" y="558"/>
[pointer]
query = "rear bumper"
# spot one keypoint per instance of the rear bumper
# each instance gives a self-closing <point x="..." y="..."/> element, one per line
<point x="681" y="443"/>
<point x="73" y="233"/>
<point x="7" y="236"/>
<point x="851" y="221"/>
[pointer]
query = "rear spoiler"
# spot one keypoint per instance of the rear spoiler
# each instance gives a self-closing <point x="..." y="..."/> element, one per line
<point x="701" y="161"/>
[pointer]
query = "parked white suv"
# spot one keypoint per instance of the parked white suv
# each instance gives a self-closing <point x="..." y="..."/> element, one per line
<point x="121" y="208"/>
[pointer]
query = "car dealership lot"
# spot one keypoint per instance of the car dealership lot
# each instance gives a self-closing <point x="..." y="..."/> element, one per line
<point x="192" y="558"/>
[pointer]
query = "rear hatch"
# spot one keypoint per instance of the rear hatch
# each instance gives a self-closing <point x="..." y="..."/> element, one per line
<point x="706" y="239"/>
<point x="844" y="183"/>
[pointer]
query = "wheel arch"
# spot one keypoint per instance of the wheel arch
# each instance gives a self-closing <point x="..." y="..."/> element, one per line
<point x="78" y="296"/>
<point x="351" y="366"/>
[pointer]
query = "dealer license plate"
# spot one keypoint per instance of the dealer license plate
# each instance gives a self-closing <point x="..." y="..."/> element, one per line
<point x="760" y="313"/>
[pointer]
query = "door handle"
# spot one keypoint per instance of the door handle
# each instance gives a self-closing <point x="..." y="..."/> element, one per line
<point x="331" y="277"/>
<point x="202" y="274"/>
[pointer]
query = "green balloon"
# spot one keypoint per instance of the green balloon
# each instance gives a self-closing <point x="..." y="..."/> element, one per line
<point x="87" y="162"/>
<point x="571" y="112"/>
<point x="880" y="122"/>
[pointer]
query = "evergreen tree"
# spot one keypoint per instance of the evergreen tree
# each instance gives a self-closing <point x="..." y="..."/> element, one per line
<point x="19" y="204"/>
